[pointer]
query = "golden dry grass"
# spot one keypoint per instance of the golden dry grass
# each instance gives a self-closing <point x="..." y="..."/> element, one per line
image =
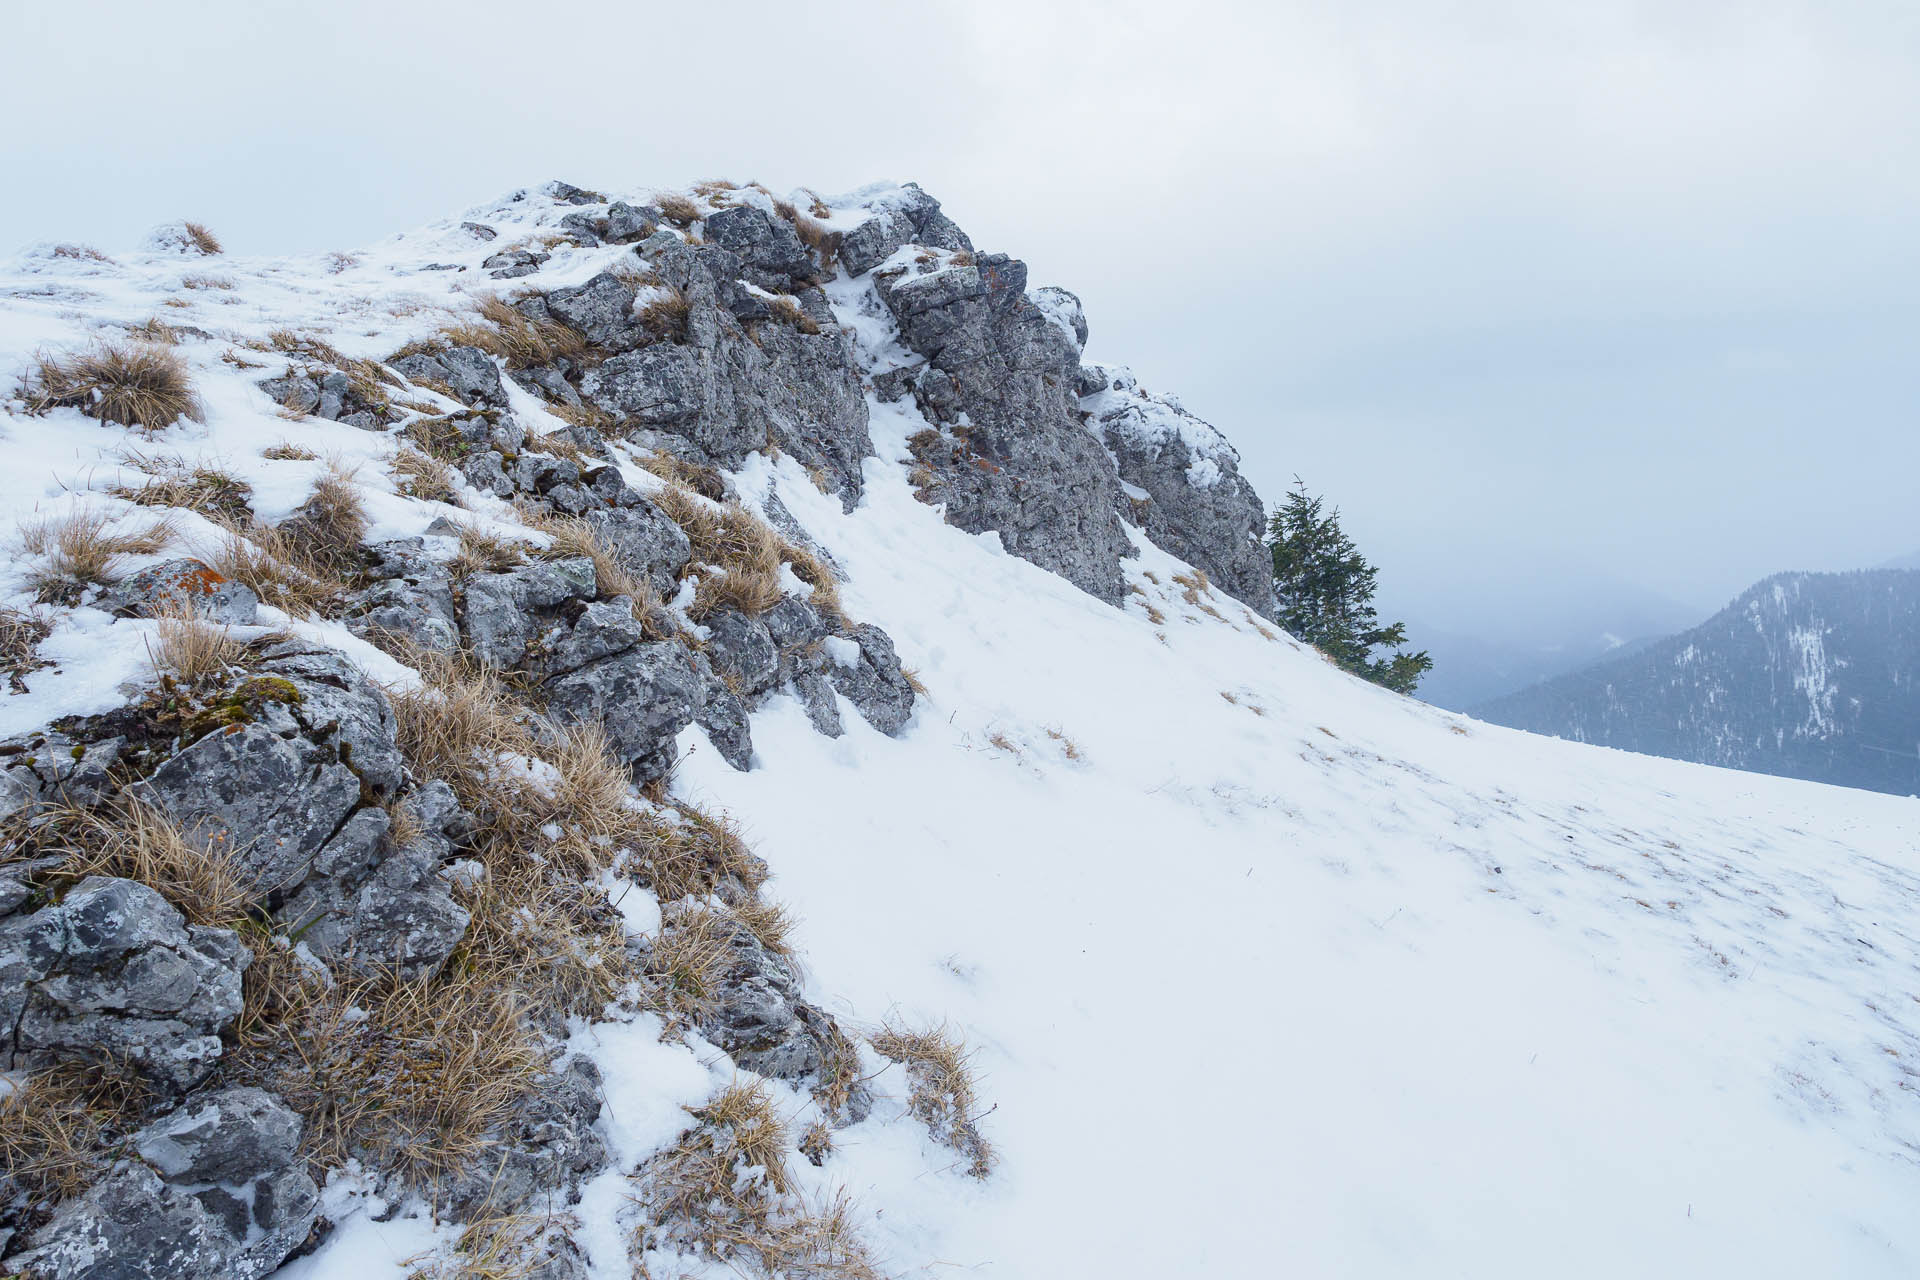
<point x="502" y="330"/>
<point x="678" y="210"/>
<point x="206" y="282"/>
<point x="787" y="310"/>
<point x="204" y="487"/>
<point x="79" y="550"/>
<point x="188" y="649"/>
<point x="940" y="1088"/>
<point x="20" y="636"/>
<point x="80" y="252"/>
<point x="484" y="552"/>
<point x="58" y="1130"/>
<point x="136" y="384"/>
<point x="135" y="841"/>
<point x="574" y="537"/>
<point x="458" y="724"/>
<point x="686" y="473"/>
<point x="275" y="568"/>
<point x="326" y="531"/>
<point x="203" y="240"/>
<point x="665" y="316"/>
<point x="723" y="1191"/>
<point x="421" y="475"/>
<point x="413" y="1076"/>
<point x="732" y="539"/>
<point x="584" y="414"/>
<point x="287" y="451"/>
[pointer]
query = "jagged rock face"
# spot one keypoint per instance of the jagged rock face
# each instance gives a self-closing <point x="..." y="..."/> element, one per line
<point x="1197" y="504"/>
<point x="468" y="372"/>
<point x="217" y="1192"/>
<point x="1000" y="378"/>
<point x="736" y="378"/>
<point x="901" y="216"/>
<point x="113" y="972"/>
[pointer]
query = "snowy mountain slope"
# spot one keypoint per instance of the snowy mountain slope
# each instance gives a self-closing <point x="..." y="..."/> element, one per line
<point x="1807" y="675"/>
<point x="1267" y="970"/>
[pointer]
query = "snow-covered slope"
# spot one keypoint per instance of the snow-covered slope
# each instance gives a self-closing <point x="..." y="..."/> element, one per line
<point x="1267" y="971"/>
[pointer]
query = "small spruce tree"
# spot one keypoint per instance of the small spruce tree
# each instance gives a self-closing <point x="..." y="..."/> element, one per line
<point x="1326" y="590"/>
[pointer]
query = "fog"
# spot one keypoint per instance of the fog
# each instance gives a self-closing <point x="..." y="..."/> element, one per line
<point x="1541" y="295"/>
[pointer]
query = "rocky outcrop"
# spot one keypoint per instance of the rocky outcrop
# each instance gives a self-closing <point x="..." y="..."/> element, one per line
<point x="1011" y="455"/>
<point x="537" y="1160"/>
<point x="216" y="1190"/>
<point x="1196" y="503"/>
<point x="112" y="973"/>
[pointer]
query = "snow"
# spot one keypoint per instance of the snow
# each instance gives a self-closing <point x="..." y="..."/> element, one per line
<point x="1275" y="973"/>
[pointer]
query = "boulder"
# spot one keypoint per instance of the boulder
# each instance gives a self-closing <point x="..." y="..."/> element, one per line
<point x="768" y="247"/>
<point x="866" y="670"/>
<point x="183" y="586"/>
<point x="602" y="309"/>
<point x="644" y="697"/>
<point x="221" y="1194"/>
<point x="467" y="372"/>
<point x="112" y="972"/>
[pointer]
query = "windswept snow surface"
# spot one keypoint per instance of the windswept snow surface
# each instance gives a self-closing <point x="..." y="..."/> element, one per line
<point x="1268" y="971"/>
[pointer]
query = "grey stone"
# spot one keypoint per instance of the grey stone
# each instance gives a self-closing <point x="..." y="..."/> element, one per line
<point x="793" y="624"/>
<point x="484" y="472"/>
<point x="875" y="684"/>
<point x="1198" y="506"/>
<point x="51" y="767"/>
<point x="222" y="1198"/>
<point x="768" y="247"/>
<point x="627" y="224"/>
<point x="723" y="715"/>
<point x="567" y="193"/>
<point x="468" y="372"/>
<point x="479" y="230"/>
<point x="543" y="1150"/>
<point x="509" y="264"/>
<point x="657" y="385"/>
<point x="497" y="609"/>
<point x="335" y="387"/>
<point x="230" y="1136"/>
<point x="294" y="391"/>
<point x="816" y="694"/>
<point x="339" y="707"/>
<point x="1019" y="461"/>
<point x="742" y="651"/>
<point x="112" y="972"/>
<point x="267" y="801"/>
<point x="583" y="229"/>
<point x="14" y="894"/>
<point x="644" y="697"/>
<point x="375" y="908"/>
<point x="602" y="309"/>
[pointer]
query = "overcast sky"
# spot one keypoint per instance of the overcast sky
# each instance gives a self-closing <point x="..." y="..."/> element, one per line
<point x="1536" y="292"/>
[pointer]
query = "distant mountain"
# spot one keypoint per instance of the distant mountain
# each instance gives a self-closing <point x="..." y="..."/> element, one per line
<point x="1806" y="675"/>
<point x="1470" y="669"/>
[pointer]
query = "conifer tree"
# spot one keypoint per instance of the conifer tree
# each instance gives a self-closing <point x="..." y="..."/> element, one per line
<point x="1326" y="586"/>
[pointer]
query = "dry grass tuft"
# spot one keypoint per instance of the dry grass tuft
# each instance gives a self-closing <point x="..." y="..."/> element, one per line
<point x="205" y="282"/>
<point x="326" y="532"/>
<point x="574" y="537"/>
<point x="665" y="317"/>
<point x="423" y="476"/>
<point x="732" y="539"/>
<point x="413" y="1076"/>
<point x="769" y="923"/>
<point x="135" y="841"/>
<point x="703" y="480"/>
<point x="692" y="854"/>
<point x="1068" y="747"/>
<point x="723" y="1191"/>
<point x="584" y="414"/>
<point x="787" y="310"/>
<point x="483" y="552"/>
<point x="813" y="570"/>
<point x="287" y="451"/>
<point x="941" y="1090"/>
<point x="190" y="650"/>
<point x="80" y="252"/>
<point x="79" y="552"/>
<point x="138" y="385"/>
<point x="912" y="675"/>
<point x="678" y="210"/>
<point x="215" y="493"/>
<point x="686" y="966"/>
<point x="369" y="378"/>
<point x="276" y="569"/>
<point x="824" y="243"/>
<point x="155" y="330"/>
<point x="20" y="637"/>
<point x="60" y="1128"/>
<point x="521" y="341"/>
<point x="514" y="1246"/>
<point x="203" y="240"/>
<point x="458" y="725"/>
